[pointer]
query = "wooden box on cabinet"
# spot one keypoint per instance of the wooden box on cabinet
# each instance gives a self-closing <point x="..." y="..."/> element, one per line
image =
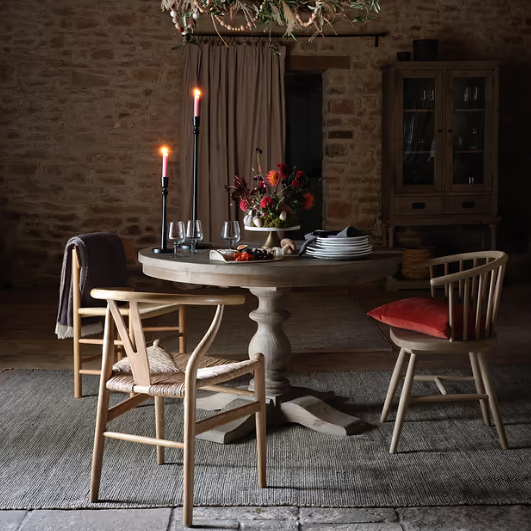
<point x="440" y="144"/>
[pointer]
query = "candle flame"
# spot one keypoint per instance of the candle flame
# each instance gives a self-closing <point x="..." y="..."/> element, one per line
<point x="197" y="93"/>
<point x="164" y="150"/>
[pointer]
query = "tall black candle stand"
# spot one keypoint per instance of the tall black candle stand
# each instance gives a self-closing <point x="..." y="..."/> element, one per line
<point x="199" y="245"/>
<point x="197" y="121"/>
<point x="163" y="235"/>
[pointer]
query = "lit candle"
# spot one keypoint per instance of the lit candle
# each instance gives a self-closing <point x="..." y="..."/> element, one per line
<point x="197" y="95"/>
<point x="165" y="153"/>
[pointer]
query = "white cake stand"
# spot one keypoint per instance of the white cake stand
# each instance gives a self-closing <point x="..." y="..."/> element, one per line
<point x="273" y="239"/>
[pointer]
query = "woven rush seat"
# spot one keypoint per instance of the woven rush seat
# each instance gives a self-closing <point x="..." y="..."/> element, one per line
<point x="168" y="371"/>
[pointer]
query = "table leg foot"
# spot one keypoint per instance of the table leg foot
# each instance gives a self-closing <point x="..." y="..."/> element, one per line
<point x="317" y="415"/>
<point x="232" y="431"/>
<point x="211" y="401"/>
<point x="308" y="410"/>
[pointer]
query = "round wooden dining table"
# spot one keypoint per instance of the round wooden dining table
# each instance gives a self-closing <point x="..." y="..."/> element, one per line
<point x="269" y="281"/>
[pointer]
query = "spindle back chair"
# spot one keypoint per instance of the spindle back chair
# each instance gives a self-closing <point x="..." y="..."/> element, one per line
<point x="473" y="293"/>
<point x="147" y="312"/>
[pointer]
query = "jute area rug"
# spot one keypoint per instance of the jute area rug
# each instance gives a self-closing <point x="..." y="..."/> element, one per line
<point x="447" y="456"/>
<point x="320" y="321"/>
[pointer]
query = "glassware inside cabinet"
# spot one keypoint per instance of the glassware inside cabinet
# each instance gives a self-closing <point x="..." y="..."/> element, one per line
<point x="468" y="130"/>
<point x="418" y="138"/>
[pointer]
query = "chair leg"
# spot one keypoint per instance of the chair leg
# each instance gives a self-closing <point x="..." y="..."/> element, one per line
<point x="99" y="441"/>
<point x="404" y="402"/>
<point x="159" y="427"/>
<point x="493" y="400"/>
<point x="189" y="459"/>
<point x="104" y="396"/>
<point x="480" y="388"/>
<point x="182" y="330"/>
<point x="119" y="353"/>
<point x="78" y="385"/>
<point x="393" y="384"/>
<point x="261" y="448"/>
<point x="132" y="338"/>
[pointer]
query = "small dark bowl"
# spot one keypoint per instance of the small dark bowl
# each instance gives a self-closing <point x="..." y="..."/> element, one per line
<point x="403" y="56"/>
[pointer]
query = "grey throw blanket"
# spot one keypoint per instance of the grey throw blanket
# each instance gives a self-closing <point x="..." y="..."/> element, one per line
<point x="103" y="265"/>
<point x="348" y="232"/>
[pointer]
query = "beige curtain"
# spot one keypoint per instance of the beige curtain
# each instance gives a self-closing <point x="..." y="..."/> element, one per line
<point x="242" y="108"/>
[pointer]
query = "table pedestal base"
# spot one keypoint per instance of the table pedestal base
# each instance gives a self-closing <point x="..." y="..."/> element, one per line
<point x="285" y="404"/>
<point x="300" y="406"/>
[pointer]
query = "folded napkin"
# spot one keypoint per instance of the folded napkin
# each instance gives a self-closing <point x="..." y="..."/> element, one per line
<point x="103" y="265"/>
<point x="348" y="232"/>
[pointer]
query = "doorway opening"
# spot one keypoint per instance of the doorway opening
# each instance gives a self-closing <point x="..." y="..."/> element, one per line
<point x="304" y="140"/>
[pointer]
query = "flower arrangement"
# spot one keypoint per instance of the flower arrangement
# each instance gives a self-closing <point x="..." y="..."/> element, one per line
<point x="276" y="198"/>
<point x="292" y="14"/>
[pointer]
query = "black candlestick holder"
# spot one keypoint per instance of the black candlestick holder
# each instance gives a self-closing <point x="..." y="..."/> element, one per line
<point x="199" y="245"/>
<point x="197" y="121"/>
<point x="163" y="235"/>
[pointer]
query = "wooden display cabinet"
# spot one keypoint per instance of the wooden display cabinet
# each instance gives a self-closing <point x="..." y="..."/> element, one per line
<point x="440" y="144"/>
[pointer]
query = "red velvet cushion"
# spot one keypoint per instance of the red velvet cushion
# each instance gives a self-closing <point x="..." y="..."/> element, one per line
<point x="427" y="316"/>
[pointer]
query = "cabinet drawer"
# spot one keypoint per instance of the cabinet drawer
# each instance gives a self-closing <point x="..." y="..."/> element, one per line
<point x="468" y="204"/>
<point x="418" y="206"/>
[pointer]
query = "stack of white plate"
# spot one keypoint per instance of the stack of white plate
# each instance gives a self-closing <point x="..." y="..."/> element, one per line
<point x="340" y="248"/>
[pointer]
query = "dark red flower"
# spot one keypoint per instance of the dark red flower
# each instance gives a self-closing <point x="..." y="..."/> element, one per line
<point x="240" y="186"/>
<point x="283" y="171"/>
<point x="300" y="180"/>
<point x="244" y="205"/>
<point x="267" y="202"/>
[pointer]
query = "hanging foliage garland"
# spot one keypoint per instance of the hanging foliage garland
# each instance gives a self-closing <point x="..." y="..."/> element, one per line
<point x="294" y="15"/>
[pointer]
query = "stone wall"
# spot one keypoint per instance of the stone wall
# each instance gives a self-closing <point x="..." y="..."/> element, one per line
<point x="90" y="90"/>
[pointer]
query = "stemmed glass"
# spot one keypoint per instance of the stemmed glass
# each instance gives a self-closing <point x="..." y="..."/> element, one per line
<point x="176" y="234"/>
<point x="230" y="231"/>
<point x="194" y="234"/>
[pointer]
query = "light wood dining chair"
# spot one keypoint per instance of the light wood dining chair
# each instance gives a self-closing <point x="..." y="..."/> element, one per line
<point x="152" y="371"/>
<point x="147" y="311"/>
<point x="477" y="285"/>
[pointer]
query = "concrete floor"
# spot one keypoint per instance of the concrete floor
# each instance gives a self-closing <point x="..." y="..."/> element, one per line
<point x="474" y="518"/>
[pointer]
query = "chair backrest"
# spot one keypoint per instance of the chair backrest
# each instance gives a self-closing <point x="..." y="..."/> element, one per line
<point x="130" y="256"/>
<point x="136" y="349"/>
<point x="479" y="281"/>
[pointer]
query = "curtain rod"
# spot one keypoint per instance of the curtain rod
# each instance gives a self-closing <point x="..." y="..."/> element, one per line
<point x="281" y="36"/>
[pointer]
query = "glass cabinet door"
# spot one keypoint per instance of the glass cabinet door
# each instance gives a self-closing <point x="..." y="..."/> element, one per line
<point x="418" y="120"/>
<point x="469" y="123"/>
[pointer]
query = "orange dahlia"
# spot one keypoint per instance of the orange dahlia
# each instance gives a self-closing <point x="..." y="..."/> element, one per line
<point x="273" y="177"/>
<point x="309" y="201"/>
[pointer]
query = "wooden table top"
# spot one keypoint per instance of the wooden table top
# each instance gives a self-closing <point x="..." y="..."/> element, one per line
<point x="290" y="272"/>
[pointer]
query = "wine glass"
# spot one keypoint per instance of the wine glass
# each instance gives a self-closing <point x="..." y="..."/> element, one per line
<point x="194" y="234"/>
<point x="230" y="231"/>
<point x="176" y="234"/>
